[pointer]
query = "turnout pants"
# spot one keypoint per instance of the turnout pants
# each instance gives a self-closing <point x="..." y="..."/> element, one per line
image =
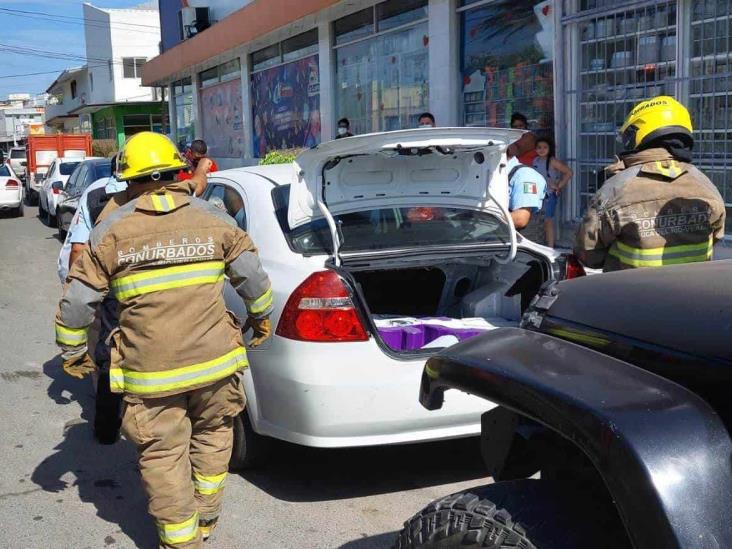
<point x="184" y="444"/>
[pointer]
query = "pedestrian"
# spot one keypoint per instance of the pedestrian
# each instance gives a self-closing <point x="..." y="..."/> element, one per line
<point x="526" y="144"/>
<point x="426" y="120"/>
<point x="90" y="209"/>
<point x="526" y="189"/>
<point x="344" y="128"/>
<point x="177" y="354"/>
<point x="557" y="175"/>
<point x="657" y="208"/>
<point x="194" y="154"/>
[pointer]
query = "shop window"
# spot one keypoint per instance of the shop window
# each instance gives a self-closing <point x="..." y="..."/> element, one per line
<point x="220" y="73"/>
<point x="382" y="80"/>
<point x="136" y="123"/>
<point x="395" y="14"/>
<point x="184" y="120"/>
<point x="299" y="46"/>
<point x="354" y="26"/>
<point x="507" y="63"/>
<point x="266" y="57"/>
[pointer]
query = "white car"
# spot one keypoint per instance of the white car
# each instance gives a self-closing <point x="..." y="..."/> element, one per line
<point x="381" y="248"/>
<point x="11" y="190"/>
<point x="18" y="161"/>
<point x="48" y="196"/>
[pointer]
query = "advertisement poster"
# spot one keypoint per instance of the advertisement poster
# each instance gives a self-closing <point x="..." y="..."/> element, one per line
<point x="223" y="128"/>
<point x="286" y="106"/>
<point x="507" y="63"/>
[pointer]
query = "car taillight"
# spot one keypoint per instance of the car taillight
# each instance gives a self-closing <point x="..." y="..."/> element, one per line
<point x="55" y="191"/>
<point x="320" y="309"/>
<point x="11" y="184"/>
<point x="573" y="268"/>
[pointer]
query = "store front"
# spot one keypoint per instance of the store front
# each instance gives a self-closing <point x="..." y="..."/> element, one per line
<point x="221" y="111"/>
<point x="507" y="62"/>
<point x="285" y="95"/>
<point x="381" y="63"/>
<point x="626" y="54"/>
<point x="182" y="98"/>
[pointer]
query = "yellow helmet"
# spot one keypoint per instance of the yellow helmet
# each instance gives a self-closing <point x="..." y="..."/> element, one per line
<point x="148" y="153"/>
<point x="654" y="118"/>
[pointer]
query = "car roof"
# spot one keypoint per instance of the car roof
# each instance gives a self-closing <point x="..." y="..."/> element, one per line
<point x="680" y="307"/>
<point x="278" y="174"/>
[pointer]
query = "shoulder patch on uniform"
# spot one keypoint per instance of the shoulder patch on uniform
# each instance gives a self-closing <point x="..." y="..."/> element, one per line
<point x="209" y="208"/>
<point x="612" y="186"/>
<point x="668" y="169"/>
<point x="101" y="230"/>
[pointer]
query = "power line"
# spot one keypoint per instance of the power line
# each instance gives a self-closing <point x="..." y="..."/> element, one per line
<point x="29" y="74"/>
<point x="98" y="23"/>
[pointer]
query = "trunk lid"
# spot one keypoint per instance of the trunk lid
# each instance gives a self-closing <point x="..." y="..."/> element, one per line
<point x="420" y="167"/>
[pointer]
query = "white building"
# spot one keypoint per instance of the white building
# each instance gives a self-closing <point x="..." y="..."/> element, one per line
<point x="106" y="97"/>
<point x="20" y="115"/>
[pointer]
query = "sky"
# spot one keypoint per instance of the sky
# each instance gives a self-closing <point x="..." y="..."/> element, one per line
<point x="63" y="37"/>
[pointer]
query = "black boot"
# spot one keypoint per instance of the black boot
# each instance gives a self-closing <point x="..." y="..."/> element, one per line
<point x="107" y="420"/>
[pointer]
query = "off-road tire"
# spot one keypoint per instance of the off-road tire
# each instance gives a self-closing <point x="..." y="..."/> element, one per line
<point x="462" y="520"/>
<point x="250" y="449"/>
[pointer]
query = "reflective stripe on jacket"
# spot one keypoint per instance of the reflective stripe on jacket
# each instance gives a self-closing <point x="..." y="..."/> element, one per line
<point x="654" y="211"/>
<point x="163" y="256"/>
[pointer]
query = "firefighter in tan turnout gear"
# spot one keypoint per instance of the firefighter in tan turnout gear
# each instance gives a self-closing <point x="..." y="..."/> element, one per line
<point x="657" y="208"/>
<point x="177" y="353"/>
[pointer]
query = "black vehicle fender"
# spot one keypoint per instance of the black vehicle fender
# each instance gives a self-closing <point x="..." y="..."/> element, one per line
<point x="663" y="453"/>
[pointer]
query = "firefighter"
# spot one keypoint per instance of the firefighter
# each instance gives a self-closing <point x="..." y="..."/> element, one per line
<point x="656" y="208"/>
<point x="177" y="354"/>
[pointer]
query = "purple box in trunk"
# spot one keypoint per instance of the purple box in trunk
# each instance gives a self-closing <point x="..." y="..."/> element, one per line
<point x="413" y="334"/>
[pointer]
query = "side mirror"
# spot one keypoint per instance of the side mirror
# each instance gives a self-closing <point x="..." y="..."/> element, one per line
<point x="57" y="185"/>
<point x="24" y="163"/>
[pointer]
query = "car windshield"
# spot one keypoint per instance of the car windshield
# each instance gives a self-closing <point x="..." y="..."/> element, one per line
<point x="17" y="153"/>
<point x="67" y="168"/>
<point x="390" y="228"/>
<point x="4" y="171"/>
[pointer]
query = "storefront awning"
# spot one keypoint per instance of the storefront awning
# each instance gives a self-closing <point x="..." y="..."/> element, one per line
<point x="242" y="26"/>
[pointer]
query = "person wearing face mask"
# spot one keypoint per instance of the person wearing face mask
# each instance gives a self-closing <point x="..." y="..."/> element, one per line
<point x="426" y="120"/>
<point x="344" y="128"/>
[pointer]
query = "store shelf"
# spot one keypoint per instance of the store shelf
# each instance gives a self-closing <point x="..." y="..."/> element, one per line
<point x="626" y="36"/>
<point x="656" y="65"/>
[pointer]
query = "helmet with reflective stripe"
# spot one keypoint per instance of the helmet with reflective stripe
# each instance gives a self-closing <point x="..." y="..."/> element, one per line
<point x="146" y="154"/>
<point x="655" y="118"/>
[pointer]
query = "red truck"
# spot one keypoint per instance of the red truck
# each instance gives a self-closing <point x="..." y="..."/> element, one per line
<point x="41" y="150"/>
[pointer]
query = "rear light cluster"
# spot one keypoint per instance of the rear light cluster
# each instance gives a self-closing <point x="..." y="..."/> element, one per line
<point x="320" y="309"/>
<point x="573" y="268"/>
<point x="12" y="184"/>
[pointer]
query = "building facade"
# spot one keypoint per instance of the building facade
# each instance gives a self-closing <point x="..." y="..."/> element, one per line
<point x="279" y="74"/>
<point x="105" y="97"/>
<point x="21" y="115"/>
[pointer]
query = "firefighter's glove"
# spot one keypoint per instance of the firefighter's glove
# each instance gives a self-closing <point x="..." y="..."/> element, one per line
<point x="261" y="330"/>
<point x="79" y="364"/>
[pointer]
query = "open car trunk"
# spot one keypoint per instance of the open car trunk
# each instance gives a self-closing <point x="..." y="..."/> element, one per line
<point x="417" y="304"/>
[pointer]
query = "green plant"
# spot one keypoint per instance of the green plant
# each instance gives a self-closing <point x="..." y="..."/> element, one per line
<point x="279" y="157"/>
<point x="104" y="147"/>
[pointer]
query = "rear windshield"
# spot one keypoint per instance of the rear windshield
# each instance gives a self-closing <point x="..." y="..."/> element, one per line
<point x="104" y="170"/>
<point x="4" y="171"/>
<point x="17" y="153"/>
<point x="390" y="228"/>
<point x="67" y="168"/>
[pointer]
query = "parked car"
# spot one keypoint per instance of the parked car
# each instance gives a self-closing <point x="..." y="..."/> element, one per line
<point x="18" y="162"/>
<point x="84" y="175"/>
<point x="379" y="248"/>
<point x="615" y="388"/>
<point x="42" y="150"/>
<point x="60" y="170"/>
<point x="11" y="190"/>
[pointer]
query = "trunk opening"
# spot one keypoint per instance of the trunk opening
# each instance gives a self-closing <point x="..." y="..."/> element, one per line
<point x="432" y="304"/>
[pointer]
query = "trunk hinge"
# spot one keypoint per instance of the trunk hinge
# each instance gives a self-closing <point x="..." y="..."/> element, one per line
<point x="540" y="305"/>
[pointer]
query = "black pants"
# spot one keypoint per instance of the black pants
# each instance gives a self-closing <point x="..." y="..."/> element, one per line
<point x="108" y="405"/>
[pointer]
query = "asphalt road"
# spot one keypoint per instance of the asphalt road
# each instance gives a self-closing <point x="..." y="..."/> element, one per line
<point x="58" y="488"/>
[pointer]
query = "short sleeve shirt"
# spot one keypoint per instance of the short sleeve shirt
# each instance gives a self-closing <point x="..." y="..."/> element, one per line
<point x="526" y="188"/>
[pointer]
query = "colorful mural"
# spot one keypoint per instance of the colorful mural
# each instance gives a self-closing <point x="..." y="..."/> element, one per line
<point x="223" y="128"/>
<point x="286" y="106"/>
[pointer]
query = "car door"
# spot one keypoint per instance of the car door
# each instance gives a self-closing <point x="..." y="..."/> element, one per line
<point x="73" y="191"/>
<point x="46" y="191"/>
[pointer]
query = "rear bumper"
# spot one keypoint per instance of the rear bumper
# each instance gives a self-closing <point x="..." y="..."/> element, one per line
<point x="349" y="394"/>
<point x="10" y="199"/>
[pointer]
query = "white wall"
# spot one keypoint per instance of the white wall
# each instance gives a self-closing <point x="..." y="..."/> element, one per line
<point x="115" y="35"/>
<point x="69" y="104"/>
<point x="98" y="46"/>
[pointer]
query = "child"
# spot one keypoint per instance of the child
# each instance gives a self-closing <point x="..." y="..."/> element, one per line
<point x="557" y="175"/>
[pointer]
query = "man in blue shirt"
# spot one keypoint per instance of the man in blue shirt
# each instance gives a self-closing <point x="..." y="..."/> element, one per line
<point x="526" y="189"/>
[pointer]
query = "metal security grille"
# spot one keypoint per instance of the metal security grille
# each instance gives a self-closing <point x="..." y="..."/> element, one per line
<point x="619" y="53"/>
